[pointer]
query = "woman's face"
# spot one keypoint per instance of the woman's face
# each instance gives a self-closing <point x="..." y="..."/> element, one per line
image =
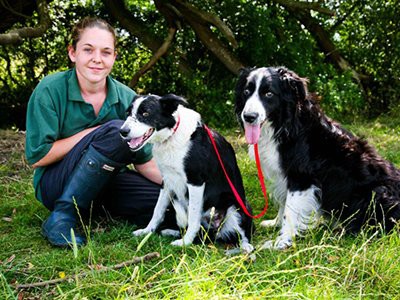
<point x="94" y="55"/>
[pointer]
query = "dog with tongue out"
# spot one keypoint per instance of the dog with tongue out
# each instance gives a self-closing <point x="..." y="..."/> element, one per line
<point x="193" y="184"/>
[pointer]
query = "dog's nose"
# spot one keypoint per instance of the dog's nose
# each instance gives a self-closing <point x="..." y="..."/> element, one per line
<point x="124" y="132"/>
<point x="250" y="117"/>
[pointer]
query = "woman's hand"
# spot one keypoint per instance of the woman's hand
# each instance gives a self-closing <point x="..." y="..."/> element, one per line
<point x="150" y="171"/>
<point x="60" y="148"/>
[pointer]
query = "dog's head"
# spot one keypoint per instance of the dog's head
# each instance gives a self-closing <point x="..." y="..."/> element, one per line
<point x="267" y="94"/>
<point x="150" y="118"/>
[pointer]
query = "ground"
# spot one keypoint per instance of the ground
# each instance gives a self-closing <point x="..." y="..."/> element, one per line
<point x="12" y="153"/>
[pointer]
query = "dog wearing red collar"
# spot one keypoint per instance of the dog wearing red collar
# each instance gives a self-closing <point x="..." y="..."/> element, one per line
<point x="193" y="182"/>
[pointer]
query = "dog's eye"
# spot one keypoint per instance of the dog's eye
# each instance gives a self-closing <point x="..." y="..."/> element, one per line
<point x="145" y="114"/>
<point x="269" y="94"/>
<point x="246" y="92"/>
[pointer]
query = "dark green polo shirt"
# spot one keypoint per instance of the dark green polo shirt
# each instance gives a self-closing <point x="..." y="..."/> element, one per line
<point x="56" y="110"/>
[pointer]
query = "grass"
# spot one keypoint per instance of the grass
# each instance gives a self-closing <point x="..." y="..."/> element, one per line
<point x="325" y="264"/>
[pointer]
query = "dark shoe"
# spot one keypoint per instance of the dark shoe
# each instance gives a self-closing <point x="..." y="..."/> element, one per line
<point x="89" y="177"/>
<point x="57" y="230"/>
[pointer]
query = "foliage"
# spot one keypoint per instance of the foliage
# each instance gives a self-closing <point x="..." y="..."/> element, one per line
<point x="324" y="264"/>
<point x="267" y="34"/>
<point x="370" y="37"/>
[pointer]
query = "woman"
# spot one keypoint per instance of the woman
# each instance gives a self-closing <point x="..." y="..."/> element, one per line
<point x="73" y="141"/>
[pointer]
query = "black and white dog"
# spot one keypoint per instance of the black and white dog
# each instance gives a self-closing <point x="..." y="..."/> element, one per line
<point x="316" y="166"/>
<point x="193" y="180"/>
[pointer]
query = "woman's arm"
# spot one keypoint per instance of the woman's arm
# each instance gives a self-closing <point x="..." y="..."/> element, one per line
<point x="150" y="171"/>
<point x="60" y="148"/>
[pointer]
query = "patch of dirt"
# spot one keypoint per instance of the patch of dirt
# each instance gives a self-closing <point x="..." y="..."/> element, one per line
<point x="12" y="153"/>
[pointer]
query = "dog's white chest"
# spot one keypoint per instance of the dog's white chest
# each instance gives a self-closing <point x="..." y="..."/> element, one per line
<point x="269" y="155"/>
<point x="271" y="162"/>
<point x="170" y="161"/>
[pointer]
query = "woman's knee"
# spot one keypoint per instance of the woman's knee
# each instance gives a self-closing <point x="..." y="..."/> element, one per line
<point x="109" y="142"/>
<point x="113" y="126"/>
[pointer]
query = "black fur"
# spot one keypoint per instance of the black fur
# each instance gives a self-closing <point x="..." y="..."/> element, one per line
<point x="202" y="165"/>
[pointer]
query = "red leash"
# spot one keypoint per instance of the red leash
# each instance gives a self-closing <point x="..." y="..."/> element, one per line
<point x="260" y="178"/>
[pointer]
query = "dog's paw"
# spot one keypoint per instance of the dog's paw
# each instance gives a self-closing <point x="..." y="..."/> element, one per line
<point x="278" y="244"/>
<point x="269" y="223"/>
<point x="182" y="242"/>
<point x="267" y="245"/>
<point x="282" y="244"/>
<point x="170" y="232"/>
<point x="233" y="251"/>
<point x="178" y="243"/>
<point x="141" y="232"/>
<point x="247" y="248"/>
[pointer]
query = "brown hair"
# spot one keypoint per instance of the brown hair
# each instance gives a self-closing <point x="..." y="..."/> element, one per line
<point x="90" y="22"/>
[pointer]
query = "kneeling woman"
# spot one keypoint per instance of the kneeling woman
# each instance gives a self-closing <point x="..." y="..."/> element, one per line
<point x="73" y="141"/>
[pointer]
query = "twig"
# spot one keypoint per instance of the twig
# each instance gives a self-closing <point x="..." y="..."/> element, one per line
<point x="133" y="261"/>
<point x="16" y="36"/>
<point x="159" y="53"/>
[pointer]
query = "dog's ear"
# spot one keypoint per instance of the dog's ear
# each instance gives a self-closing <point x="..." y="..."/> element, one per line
<point x="242" y="79"/>
<point x="129" y="109"/>
<point x="244" y="71"/>
<point x="169" y="103"/>
<point x="294" y="82"/>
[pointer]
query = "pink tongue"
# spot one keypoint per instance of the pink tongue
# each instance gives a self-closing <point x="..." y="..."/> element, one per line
<point x="252" y="133"/>
<point x="136" y="142"/>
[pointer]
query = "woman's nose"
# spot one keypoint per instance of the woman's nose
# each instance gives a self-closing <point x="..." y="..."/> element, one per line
<point x="96" y="56"/>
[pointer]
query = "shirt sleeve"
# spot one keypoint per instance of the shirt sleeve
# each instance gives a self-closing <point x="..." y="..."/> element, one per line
<point x="143" y="155"/>
<point x="42" y="125"/>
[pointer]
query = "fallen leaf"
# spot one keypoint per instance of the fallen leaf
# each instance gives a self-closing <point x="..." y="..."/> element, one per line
<point x="332" y="258"/>
<point x="30" y="266"/>
<point x="10" y="259"/>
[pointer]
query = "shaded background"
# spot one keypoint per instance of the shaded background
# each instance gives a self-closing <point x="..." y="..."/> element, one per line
<point x="348" y="49"/>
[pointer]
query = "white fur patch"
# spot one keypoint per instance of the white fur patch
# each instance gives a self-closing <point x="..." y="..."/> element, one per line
<point x="232" y="225"/>
<point x="271" y="166"/>
<point x="301" y="212"/>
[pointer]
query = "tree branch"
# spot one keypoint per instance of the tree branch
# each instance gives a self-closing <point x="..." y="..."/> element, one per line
<point x="322" y="37"/>
<point x="327" y="46"/>
<point x="133" y="261"/>
<point x="209" y="39"/>
<point x="156" y="56"/>
<point x="315" y="6"/>
<point x="8" y="7"/>
<point x="16" y="36"/>
<point x="140" y="30"/>
<point x="210" y="18"/>
<point x="345" y="16"/>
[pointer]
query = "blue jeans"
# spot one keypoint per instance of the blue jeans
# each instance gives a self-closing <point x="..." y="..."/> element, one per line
<point x="128" y="194"/>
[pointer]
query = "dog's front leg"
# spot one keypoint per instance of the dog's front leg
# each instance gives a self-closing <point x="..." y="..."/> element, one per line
<point x="278" y="219"/>
<point x="158" y="214"/>
<point x="300" y="213"/>
<point x="196" y="198"/>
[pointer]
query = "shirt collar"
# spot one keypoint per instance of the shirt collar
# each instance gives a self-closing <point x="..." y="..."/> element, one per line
<point x="74" y="92"/>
